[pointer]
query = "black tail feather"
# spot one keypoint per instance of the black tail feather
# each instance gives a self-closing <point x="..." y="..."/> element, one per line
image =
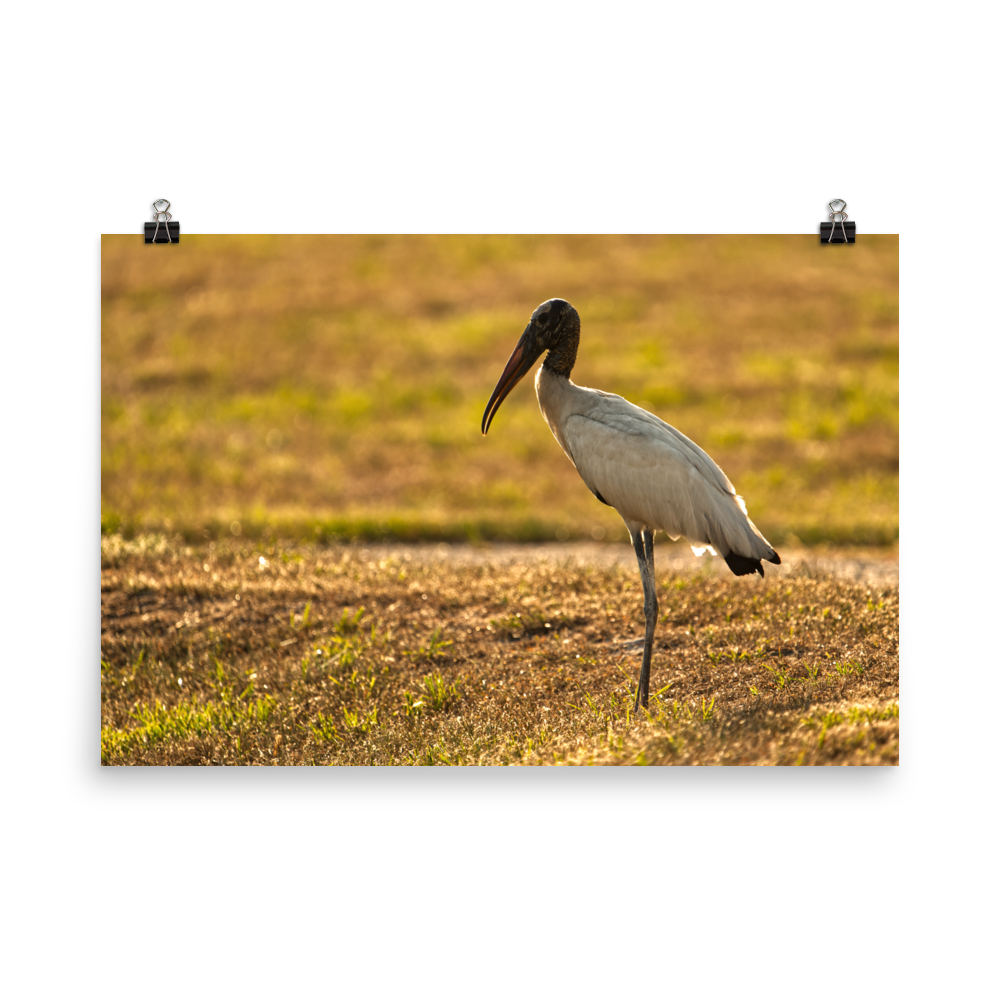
<point x="776" y="559"/>
<point x="741" y="565"/>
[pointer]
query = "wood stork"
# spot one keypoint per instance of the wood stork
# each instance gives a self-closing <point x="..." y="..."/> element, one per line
<point x="655" y="477"/>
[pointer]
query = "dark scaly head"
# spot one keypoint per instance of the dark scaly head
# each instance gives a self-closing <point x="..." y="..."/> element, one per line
<point x="554" y="327"/>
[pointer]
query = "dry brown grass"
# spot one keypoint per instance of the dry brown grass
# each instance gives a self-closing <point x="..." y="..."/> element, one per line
<point x="344" y="655"/>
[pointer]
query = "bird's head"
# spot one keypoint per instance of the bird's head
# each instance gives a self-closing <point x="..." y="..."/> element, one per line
<point x="554" y="327"/>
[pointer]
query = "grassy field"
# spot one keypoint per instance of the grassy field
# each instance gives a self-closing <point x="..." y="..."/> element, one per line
<point x="271" y="402"/>
<point x="320" y="387"/>
<point x="235" y="653"/>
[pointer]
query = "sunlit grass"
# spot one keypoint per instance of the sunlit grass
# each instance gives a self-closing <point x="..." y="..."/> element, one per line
<point x="328" y="386"/>
<point x="234" y="653"/>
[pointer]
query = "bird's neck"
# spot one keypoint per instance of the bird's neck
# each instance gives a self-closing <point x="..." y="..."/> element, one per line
<point x="562" y="357"/>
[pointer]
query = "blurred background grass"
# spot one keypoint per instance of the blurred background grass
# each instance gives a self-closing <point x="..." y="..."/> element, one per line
<point x="333" y="386"/>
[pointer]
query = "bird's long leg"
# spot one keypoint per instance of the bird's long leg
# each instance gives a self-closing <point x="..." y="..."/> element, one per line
<point x="643" y="543"/>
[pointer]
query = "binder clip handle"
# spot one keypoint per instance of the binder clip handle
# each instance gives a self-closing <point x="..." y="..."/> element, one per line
<point x="162" y="216"/>
<point x="837" y="214"/>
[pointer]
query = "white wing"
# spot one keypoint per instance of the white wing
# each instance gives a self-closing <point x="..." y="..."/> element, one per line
<point x="654" y="475"/>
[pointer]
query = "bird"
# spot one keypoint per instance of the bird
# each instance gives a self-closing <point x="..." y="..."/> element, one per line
<point x="655" y="477"/>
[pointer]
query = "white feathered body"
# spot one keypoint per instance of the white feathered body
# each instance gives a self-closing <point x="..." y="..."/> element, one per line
<point x="647" y="470"/>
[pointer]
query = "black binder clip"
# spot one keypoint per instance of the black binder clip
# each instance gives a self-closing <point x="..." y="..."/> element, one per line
<point x="828" y="230"/>
<point x="161" y="229"/>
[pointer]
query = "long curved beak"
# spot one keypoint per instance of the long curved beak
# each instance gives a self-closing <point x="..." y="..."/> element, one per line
<point x="518" y="365"/>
